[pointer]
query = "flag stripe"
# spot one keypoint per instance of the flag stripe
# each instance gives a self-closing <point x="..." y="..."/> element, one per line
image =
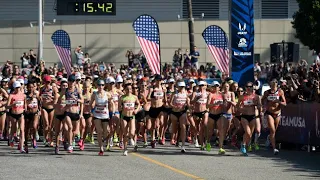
<point x="147" y="32"/>
<point x="217" y="44"/>
<point x="62" y="44"/>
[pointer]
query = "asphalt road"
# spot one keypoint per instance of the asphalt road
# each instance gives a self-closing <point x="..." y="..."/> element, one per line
<point x="162" y="163"/>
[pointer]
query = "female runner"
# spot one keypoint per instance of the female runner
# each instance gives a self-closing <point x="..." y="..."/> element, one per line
<point x="247" y="105"/>
<point x="179" y="103"/>
<point x="130" y="106"/>
<point x="273" y="99"/>
<point x="157" y="97"/>
<point x="72" y="111"/>
<point x="87" y="93"/>
<point x="100" y="102"/>
<point x="47" y="111"/>
<point x="17" y="105"/>
<point x="3" y="113"/>
<point x="216" y="109"/>
<point x="59" y="126"/>
<point x="200" y="113"/>
<point x="31" y="113"/>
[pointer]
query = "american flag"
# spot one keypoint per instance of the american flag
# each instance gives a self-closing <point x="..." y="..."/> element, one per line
<point x="217" y="43"/>
<point x="147" y="32"/>
<point x="61" y="42"/>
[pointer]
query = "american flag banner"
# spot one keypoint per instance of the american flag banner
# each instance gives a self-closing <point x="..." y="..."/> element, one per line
<point x="147" y="33"/>
<point x="62" y="43"/>
<point x="217" y="43"/>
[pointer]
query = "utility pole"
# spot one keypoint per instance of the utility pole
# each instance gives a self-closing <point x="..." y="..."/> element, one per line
<point x="40" y="24"/>
<point x="190" y="25"/>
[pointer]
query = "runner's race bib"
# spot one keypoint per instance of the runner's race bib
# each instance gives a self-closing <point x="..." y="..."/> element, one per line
<point x="128" y="105"/>
<point x="272" y="98"/>
<point x="19" y="103"/>
<point x="71" y="102"/>
<point x="248" y="102"/>
<point x="218" y="102"/>
<point x="202" y="101"/>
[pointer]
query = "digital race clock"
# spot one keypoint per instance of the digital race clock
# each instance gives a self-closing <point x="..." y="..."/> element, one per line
<point x="86" y="7"/>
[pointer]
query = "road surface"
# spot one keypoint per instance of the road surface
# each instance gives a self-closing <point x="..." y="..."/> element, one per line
<point x="162" y="163"/>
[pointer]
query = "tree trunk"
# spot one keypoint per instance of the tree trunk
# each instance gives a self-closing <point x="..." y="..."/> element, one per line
<point x="190" y="25"/>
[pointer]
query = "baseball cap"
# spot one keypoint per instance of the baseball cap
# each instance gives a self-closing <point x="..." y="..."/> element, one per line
<point x="110" y="80"/>
<point x="95" y="76"/>
<point x="171" y="80"/>
<point x="181" y="84"/>
<point x="215" y="83"/>
<point x="191" y="80"/>
<point x="5" y="80"/>
<point x="77" y="75"/>
<point x="119" y="79"/>
<point x="158" y="77"/>
<point x="21" y="81"/>
<point x="202" y="83"/>
<point x="16" y="84"/>
<point x="72" y="78"/>
<point x="47" y="78"/>
<point x="64" y="80"/>
<point x="100" y="81"/>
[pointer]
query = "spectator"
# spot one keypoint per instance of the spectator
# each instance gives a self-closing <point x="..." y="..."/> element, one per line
<point x="24" y="60"/>
<point x="87" y="59"/>
<point x="79" y="55"/>
<point x="186" y="59"/>
<point x="257" y="67"/>
<point x="130" y="56"/>
<point x="177" y="58"/>
<point x="32" y="58"/>
<point x="195" y="55"/>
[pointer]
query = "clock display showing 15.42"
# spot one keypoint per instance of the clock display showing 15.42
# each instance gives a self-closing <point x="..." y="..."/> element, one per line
<point x="86" y="7"/>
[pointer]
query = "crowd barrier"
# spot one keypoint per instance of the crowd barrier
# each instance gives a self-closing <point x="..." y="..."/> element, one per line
<point x="300" y="124"/>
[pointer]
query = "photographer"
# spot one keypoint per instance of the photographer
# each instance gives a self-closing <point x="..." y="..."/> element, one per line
<point x="24" y="60"/>
<point x="32" y="58"/>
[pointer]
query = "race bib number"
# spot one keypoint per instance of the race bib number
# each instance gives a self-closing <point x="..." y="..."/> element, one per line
<point x="33" y="104"/>
<point x="202" y="101"/>
<point x="19" y="103"/>
<point x="158" y="94"/>
<point x="86" y="102"/>
<point x="128" y="105"/>
<point x="71" y="102"/>
<point x="248" y="103"/>
<point x="218" y="102"/>
<point x="115" y="98"/>
<point x="272" y="98"/>
<point x="45" y="96"/>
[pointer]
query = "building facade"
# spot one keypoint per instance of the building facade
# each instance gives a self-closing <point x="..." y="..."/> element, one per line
<point x="107" y="38"/>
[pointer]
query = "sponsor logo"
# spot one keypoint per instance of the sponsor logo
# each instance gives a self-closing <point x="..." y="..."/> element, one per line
<point x="241" y="53"/>
<point x="243" y="43"/>
<point x="242" y="29"/>
<point x="293" y="121"/>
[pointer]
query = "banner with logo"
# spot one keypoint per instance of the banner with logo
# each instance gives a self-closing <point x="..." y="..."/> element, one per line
<point x="242" y="40"/>
<point x="297" y="120"/>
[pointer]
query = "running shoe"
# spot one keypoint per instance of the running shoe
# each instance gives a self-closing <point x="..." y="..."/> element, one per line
<point x="196" y="143"/>
<point x="153" y="143"/>
<point x="268" y="141"/>
<point x="111" y="142"/>
<point x="74" y="143"/>
<point x="208" y="147"/>
<point x="108" y="147"/>
<point x="81" y="145"/>
<point x="202" y="148"/>
<point x="221" y="151"/>
<point x="37" y="136"/>
<point x="65" y="145"/>
<point x="1" y="136"/>
<point x="131" y="142"/>
<point x="11" y="144"/>
<point x="22" y="151"/>
<point x="250" y="148"/>
<point x="19" y="147"/>
<point x="145" y="144"/>
<point x="275" y="151"/>
<point x="92" y="140"/>
<point x="121" y="145"/>
<point x="77" y="138"/>
<point x="56" y="150"/>
<point x="189" y="139"/>
<point x="70" y="149"/>
<point x="26" y="149"/>
<point x="46" y="144"/>
<point x="173" y="142"/>
<point x="135" y="148"/>
<point x="183" y="150"/>
<point x="115" y="138"/>
<point x="51" y="144"/>
<point x="80" y="142"/>
<point x="88" y="139"/>
<point x="34" y="144"/>
<point x="256" y="146"/>
<point x="125" y="153"/>
<point x="243" y="150"/>
<point x="100" y="153"/>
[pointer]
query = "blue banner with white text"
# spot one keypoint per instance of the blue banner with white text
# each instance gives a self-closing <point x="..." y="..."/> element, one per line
<point x="242" y="40"/>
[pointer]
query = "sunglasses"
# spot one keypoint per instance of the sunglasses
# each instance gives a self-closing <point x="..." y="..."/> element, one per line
<point x="135" y="87"/>
<point x="249" y="86"/>
<point x="201" y="85"/>
<point x="100" y="84"/>
<point x="240" y="91"/>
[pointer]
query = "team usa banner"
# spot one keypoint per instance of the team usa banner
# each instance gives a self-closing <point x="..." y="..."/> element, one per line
<point x="218" y="45"/>
<point x="147" y="33"/>
<point x="62" y="43"/>
<point x="242" y="40"/>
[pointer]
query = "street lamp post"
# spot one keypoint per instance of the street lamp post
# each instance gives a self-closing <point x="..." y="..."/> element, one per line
<point x="40" y="24"/>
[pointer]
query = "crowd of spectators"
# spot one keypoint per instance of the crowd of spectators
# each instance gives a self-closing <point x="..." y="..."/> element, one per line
<point x="300" y="80"/>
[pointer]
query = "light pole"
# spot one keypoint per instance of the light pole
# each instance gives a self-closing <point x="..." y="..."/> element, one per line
<point x="41" y="24"/>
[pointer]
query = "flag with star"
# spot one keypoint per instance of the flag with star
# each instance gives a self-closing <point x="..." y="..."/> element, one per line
<point x="218" y="45"/>
<point x="147" y="33"/>
<point x="62" y="43"/>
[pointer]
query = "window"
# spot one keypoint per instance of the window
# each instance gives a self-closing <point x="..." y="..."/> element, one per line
<point x="210" y="8"/>
<point x="274" y="9"/>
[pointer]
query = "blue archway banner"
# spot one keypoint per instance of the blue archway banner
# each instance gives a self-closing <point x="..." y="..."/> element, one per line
<point x="242" y="40"/>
